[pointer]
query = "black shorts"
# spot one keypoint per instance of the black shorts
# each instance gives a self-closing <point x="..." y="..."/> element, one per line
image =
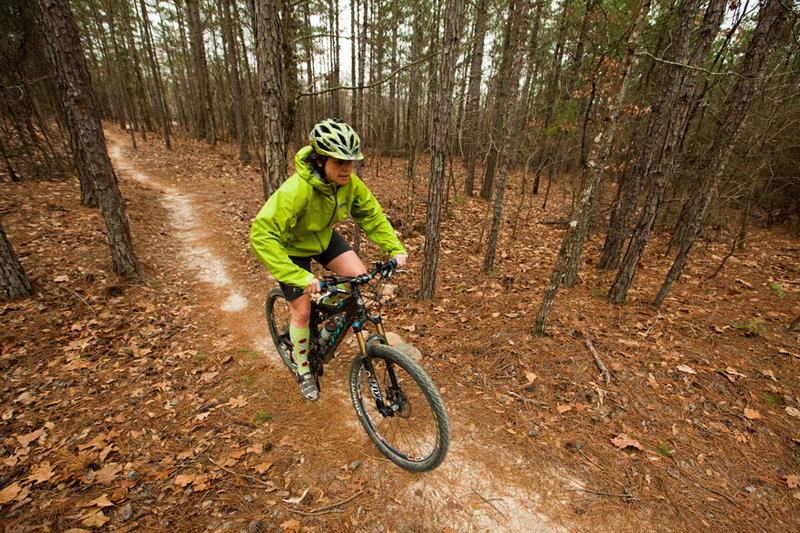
<point x="335" y="248"/>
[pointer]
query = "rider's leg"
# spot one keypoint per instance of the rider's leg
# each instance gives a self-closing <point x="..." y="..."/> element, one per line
<point x="300" y="309"/>
<point x="347" y="264"/>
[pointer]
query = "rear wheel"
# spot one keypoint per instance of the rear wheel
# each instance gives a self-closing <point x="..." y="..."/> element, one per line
<point x="412" y="428"/>
<point x="278" y="319"/>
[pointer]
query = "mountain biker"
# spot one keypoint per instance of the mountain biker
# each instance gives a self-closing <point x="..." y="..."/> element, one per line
<point x="296" y="225"/>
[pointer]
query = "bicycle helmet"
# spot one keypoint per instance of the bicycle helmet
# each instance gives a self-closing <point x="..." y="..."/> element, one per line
<point x="335" y="138"/>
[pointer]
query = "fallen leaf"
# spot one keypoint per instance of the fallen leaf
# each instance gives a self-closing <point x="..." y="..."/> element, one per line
<point x="237" y="402"/>
<point x="733" y="372"/>
<point x="563" y="408"/>
<point x="623" y="441"/>
<point x="102" y="501"/>
<point x="9" y="493"/>
<point x="25" y="440"/>
<point x="769" y="374"/>
<point x="687" y="369"/>
<point x="203" y="416"/>
<point x="41" y="473"/>
<point x="61" y="279"/>
<point x="412" y="327"/>
<point x="530" y="376"/>
<point x="792" y="480"/>
<point x="787" y="352"/>
<point x="94" y="518"/>
<point x="793" y="412"/>
<point x="77" y="530"/>
<point x="291" y="526"/>
<point x="257" y="448"/>
<point x="752" y="414"/>
<point x="184" y="479"/>
<point x="108" y="473"/>
<point x="263" y="467"/>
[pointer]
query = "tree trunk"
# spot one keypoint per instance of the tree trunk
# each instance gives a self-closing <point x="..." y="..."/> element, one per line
<point x="270" y="73"/>
<point x="136" y="71"/>
<point x="333" y="11"/>
<point x="205" y="113"/>
<point x="187" y="64"/>
<point x="412" y="120"/>
<point x="15" y="281"/>
<point x="472" y="110"/>
<point x="85" y="131"/>
<point x="453" y="14"/>
<point x="292" y="85"/>
<point x="123" y="81"/>
<point x="678" y="117"/>
<point x="502" y="100"/>
<point x="668" y="83"/>
<point x="597" y="161"/>
<point x="163" y="110"/>
<point x="571" y="246"/>
<point x="238" y="95"/>
<point x="772" y="23"/>
<point x="12" y="176"/>
<point x="518" y="20"/>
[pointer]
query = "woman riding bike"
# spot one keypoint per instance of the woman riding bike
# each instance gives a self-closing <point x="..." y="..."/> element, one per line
<point x="296" y="226"/>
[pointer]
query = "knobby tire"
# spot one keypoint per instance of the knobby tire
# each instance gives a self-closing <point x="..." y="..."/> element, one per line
<point x="415" y="438"/>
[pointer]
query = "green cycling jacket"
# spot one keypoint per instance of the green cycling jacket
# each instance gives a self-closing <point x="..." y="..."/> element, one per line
<point x="298" y="220"/>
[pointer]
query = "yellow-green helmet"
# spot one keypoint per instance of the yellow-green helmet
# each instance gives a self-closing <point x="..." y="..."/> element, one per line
<point x="335" y="138"/>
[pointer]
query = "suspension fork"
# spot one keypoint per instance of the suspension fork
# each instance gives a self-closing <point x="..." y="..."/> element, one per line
<point x="358" y="329"/>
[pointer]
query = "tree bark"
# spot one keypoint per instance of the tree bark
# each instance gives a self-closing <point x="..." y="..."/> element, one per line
<point x="668" y="83"/>
<point x="472" y="110"/>
<point x="453" y="14"/>
<point x="270" y="73"/>
<point x="85" y="131"/>
<point x="15" y="281"/>
<point x="502" y="100"/>
<point x="678" y="117"/>
<point x="576" y="232"/>
<point x="772" y="23"/>
<point x="596" y="162"/>
<point x="238" y="95"/>
<point x="518" y="22"/>
<point x="163" y="109"/>
<point x="205" y="113"/>
<point x="412" y="119"/>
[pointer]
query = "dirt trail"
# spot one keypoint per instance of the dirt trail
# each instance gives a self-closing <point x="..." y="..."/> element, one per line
<point x="464" y="492"/>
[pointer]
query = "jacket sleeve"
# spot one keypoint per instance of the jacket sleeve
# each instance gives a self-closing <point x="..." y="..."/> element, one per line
<point x="368" y="214"/>
<point x="270" y="231"/>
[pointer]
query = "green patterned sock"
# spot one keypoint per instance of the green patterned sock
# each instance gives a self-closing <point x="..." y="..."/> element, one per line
<point x="299" y="338"/>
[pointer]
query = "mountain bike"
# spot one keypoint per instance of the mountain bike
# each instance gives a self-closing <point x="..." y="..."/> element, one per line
<point x="394" y="398"/>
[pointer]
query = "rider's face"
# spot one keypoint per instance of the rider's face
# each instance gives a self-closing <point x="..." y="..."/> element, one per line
<point x="338" y="170"/>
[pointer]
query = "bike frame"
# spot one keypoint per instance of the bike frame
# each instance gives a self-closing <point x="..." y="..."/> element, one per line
<point x="356" y="317"/>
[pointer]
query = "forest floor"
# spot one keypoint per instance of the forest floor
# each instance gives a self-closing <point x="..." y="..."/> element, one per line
<point x="162" y="406"/>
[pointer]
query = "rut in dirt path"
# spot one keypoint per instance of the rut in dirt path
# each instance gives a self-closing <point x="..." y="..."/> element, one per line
<point x="501" y="501"/>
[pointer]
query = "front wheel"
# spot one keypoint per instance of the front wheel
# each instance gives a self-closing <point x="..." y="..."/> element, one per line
<point x="278" y="319"/>
<point x="400" y="408"/>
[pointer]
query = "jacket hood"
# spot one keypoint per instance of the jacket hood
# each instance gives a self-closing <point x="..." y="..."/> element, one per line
<point x="307" y="173"/>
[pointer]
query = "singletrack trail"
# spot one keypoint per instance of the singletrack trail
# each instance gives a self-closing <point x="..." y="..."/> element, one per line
<point x="478" y="488"/>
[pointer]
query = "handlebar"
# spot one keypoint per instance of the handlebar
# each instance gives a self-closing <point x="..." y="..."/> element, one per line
<point x="386" y="270"/>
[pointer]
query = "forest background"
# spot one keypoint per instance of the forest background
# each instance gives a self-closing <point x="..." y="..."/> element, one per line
<point x="641" y="120"/>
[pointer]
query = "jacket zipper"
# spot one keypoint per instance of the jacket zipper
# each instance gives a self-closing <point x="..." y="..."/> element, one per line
<point x="335" y="206"/>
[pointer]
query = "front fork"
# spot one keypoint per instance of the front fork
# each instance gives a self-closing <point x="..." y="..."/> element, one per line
<point x="358" y="328"/>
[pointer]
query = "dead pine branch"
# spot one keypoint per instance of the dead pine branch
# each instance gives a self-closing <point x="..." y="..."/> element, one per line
<point x="598" y="361"/>
<point x="490" y="503"/>
<point x="328" y="508"/>
<point x="626" y="497"/>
